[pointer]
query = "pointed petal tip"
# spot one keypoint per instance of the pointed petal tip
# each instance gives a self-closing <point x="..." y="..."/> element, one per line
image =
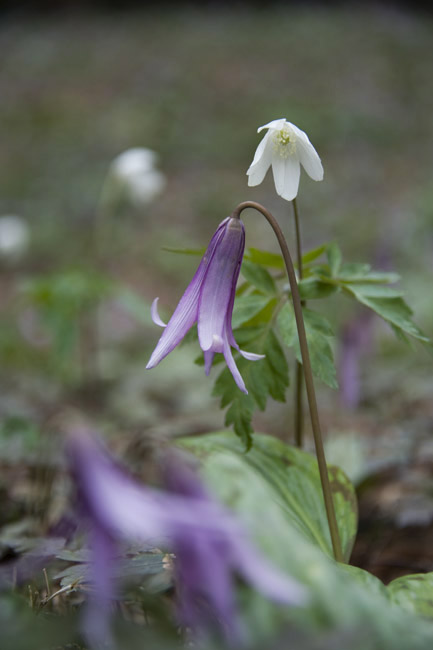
<point x="155" y="315"/>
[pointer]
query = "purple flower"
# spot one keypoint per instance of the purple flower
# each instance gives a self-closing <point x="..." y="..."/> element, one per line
<point x="208" y="542"/>
<point x="208" y="301"/>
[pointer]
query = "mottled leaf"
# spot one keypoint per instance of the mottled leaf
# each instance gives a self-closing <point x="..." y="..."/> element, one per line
<point x="293" y="477"/>
<point x="414" y="593"/>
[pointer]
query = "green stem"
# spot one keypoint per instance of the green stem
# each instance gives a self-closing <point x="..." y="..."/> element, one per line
<point x="309" y="383"/>
<point x="299" y="376"/>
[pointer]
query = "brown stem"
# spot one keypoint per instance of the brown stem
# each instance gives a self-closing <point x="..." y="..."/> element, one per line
<point x="309" y="383"/>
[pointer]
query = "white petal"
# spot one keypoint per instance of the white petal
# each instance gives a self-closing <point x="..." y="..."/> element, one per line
<point x="286" y="176"/>
<point x="251" y="356"/>
<point x="275" y="124"/>
<point x="154" y="314"/>
<point x="262" y="161"/>
<point x="308" y="156"/>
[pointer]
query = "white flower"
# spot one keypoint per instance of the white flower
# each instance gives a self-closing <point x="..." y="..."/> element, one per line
<point x="286" y="148"/>
<point x="134" y="161"/>
<point x="14" y="237"/>
<point x="135" y="170"/>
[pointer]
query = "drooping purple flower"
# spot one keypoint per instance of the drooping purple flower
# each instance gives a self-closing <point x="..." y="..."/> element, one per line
<point x="208" y="301"/>
<point x="208" y="542"/>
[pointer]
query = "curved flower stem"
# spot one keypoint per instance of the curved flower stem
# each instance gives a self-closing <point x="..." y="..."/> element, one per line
<point x="309" y="383"/>
<point x="299" y="417"/>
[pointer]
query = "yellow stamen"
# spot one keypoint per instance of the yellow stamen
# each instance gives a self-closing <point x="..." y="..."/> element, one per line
<point x="285" y="141"/>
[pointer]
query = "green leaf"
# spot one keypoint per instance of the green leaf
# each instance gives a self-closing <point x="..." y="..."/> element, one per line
<point x="312" y="288"/>
<point x="374" y="290"/>
<point x="264" y="258"/>
<point x="268" y="377"/>
<point x="392" y="309"/>
<point x="258" y="277"/>
<point x="274" y="492"/>
<point x="354" y="270"/>
<point x="312" y="255"/>
<point x="318" y="330"/>
<point x="362" y="273"/>
<point x="184" y="251"/>
<point x="366" y="579"/>
<point x="248" y="306"/>
<point x="334" y="256"/>
<point x="414" y="593"/>
<point x="293" y="477"/>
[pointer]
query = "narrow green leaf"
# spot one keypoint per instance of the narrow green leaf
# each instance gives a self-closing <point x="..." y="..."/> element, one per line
<point x="258" y="277"/>
<point x="184" y="251"/>
<point x="334" y="256"/>
<point x="312" y="255"/>
<point x="375" y="290"/>
<point x="264" y="258"/>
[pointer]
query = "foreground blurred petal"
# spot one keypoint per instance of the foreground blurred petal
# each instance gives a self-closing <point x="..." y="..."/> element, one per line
<point x="210" y="546"/>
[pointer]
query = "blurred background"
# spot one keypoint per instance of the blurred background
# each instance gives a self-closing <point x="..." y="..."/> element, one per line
<point x="81" y="83"/>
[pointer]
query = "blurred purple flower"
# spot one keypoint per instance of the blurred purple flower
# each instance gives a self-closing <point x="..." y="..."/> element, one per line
<point x="208" y="543"/>
<point x="208" y="301"/>
<point x="356" y="343"/>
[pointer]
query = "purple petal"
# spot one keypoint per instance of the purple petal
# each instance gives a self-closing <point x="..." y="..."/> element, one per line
<point x="186" y="312"/>
<point x="218" y="288"/>
<point x="272" y="583"/>
<point x="96" y="623"/>
<point x="127" y="509"/>
<point x="233" y="367"/>
<point x="208" y="360"/>
<point x="208" y="542"/>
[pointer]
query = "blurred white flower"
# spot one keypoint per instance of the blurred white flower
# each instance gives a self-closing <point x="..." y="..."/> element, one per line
<point x="286" y="148"/>
<point x="14" y="237"/>
<point x="135" y="170"/>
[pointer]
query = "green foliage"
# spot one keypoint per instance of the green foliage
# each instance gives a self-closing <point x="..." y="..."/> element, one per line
<point x="276" y="488"/>
<point x="264" y="258"/>
<point x="268" y="377"/>
<point x="318" y="331"/>
<point x="361" y="283"/>
<point x="393" y="309"/>
<point x="263" y="315"/>
<point x="414" y="593"/>
<point x="293" y="476"/>
<point x="248" y="306"/>
<point x="259" y="278"/>
<point x="64" y="303"/>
